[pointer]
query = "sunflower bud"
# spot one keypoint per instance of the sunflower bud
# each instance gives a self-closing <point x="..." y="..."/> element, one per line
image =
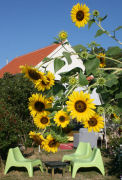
<point x="62" y="35"/>
<point x="115" y="118"/>
<point x="84" y="54"/>
<point x="64" y="79"/>
<point x="110" y="110"/>
<point x="96" y="13"/>
<point x="72" y="80"/>
<point x="100" y="110"/>
<point x="101" y="81"/>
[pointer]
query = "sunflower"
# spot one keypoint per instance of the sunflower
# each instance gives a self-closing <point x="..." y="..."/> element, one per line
<point x="102" y="59"/>
<point x="31" y="73"/>
<point x="42" y="120"/>
<point x="45" y="83"/>
<point x="61" y="119"/>
<point x="37" y="137"/>
<point x="95" y="123"/>
<point x="80" y="15"/>
<point x="38" y="104"/>
<point x="80" y="106"/>
<point x="62" y="35"/>
<point x="116" y="119"/>
<point x="50" y="99"/>
<point x="50" y="144"/>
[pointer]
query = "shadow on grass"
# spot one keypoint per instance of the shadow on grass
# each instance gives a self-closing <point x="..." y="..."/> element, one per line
<point x="91" y="171"/>
<point x="22" y="169"/>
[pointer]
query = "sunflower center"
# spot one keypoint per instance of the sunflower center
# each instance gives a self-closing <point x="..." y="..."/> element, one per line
<point x="80" y="15"/>
<point x="46" y="83"/>
<point x="92" y="121"/>
<point x="44" y="120"/>
<point x="80" y="106"/>
<point x="62" y="118"/>
<point x="37" y="140"/>
<point x="33" y="74"/>
<point x="52" y="143"/>
<point x="39" y="106"/>
<point x="101" y="60"/>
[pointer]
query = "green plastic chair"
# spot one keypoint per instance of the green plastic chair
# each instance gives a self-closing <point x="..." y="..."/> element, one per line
<point x="94" y="161"/>
<point x="83" y="151"/>
<point x="16" y="159"/>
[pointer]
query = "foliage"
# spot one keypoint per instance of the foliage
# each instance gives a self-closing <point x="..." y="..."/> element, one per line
<point x="114" y="150"/>
<point x="56" y="103"/>
<point x="103" y="72"/>
<point x="15" y="121"/>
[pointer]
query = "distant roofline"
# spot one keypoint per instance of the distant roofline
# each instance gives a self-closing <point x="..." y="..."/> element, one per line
<point x="32" y="59"/>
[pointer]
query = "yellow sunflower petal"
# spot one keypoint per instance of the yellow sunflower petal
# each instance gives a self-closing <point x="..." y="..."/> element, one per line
<point x="101" y="57"/>
<point x="95" y="122"/>
<point x="61" y="119"/>
<point x="79" y="106"/>
<point x="80" y="15"/>
<point x="42" y="120"/>
<point x="50" y="144"/>
<point x="31" y="73"/>
<point x="38" y="104"/>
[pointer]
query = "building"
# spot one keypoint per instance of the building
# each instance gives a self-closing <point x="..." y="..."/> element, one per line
<point x="35" y="59"/>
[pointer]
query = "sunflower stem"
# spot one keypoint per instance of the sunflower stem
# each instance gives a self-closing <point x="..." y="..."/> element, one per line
<point x="64" y="47"/>
<point x="108" y="33"/>
<point x="93" y="85"/>
<point x="107" y="69"/>
<point x="71" y="90"/>
<point x="43" y="131"/>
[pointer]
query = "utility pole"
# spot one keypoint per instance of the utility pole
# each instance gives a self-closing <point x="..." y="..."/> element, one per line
<point x="7" y="61"/>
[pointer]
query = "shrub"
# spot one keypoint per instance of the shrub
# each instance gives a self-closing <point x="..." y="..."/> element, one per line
<point x="15" y="120"/>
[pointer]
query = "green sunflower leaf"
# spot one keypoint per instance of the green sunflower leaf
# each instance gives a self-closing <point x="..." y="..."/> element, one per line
<point x="91" y="56"/>
<point x="113" y="51"/>
<point x="82" y="79"/>
<point x="111" y="80"/>
<point x="71" y="72"/>
<point x="91" y="66"/>
<point x="118" y="96"/>
<point x="120" y="106"/>
<point x="56" y="42"/>
<point x="78" y="48"/>
<point x="118" y="28"/>
<point x="67" y="56"/>
<point x="46" y="59"/>
<point x="99" y="33"/>
<point x="103" y="18"/>
<point x="58" y="64"/>
<point x="58" y="89"/>
<point x="90" y="22"/>
<point x="52" y="114"/>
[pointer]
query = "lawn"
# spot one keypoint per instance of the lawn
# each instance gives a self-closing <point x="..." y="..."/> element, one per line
<point x="83" y="173"/>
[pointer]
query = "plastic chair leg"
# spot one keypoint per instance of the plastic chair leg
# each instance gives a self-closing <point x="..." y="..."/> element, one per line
<point x="74" y="171"/>
<point x="6" y="169"/>
<point x="41" y="168"/>
<point x="101" y="170"/>
<point x="30" y="171"/>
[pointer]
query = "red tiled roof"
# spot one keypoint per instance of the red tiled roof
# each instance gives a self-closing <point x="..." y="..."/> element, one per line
<point x="31" y="59"/>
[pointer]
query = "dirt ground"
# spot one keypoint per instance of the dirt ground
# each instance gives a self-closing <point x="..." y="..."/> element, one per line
<point x="82" y="174"/>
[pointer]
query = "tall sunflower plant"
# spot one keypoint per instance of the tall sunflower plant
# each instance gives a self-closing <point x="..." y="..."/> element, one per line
<point x="56" y="103"/>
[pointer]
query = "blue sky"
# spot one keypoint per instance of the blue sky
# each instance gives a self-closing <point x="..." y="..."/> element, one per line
<point x="28" y="25"/>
